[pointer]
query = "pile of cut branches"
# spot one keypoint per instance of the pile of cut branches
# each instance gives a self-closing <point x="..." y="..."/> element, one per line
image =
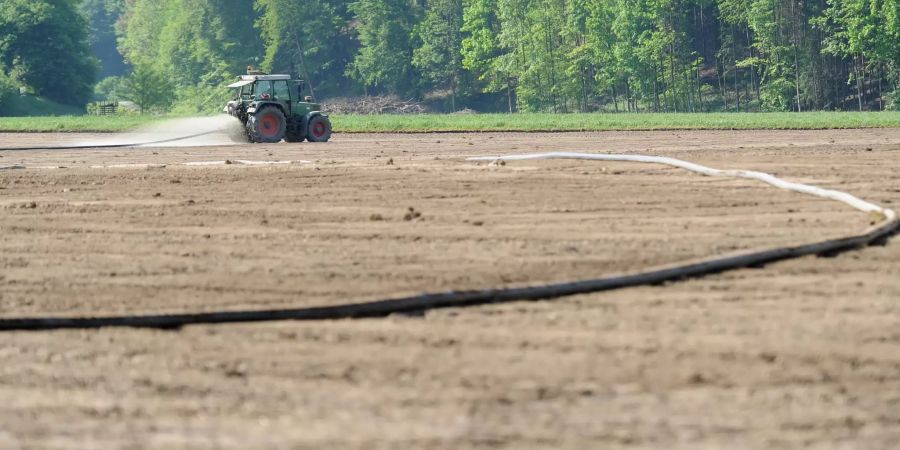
<point x="387" y="104"/>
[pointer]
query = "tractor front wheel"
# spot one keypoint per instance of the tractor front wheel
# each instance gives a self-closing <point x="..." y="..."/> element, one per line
<point x="318" y="129"/>
<point x="267" y="125"/>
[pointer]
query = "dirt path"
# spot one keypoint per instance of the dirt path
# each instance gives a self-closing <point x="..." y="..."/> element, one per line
<point x="800" y="353"/>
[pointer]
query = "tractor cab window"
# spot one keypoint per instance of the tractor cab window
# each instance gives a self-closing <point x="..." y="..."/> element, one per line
<point x="263" y="90"/>
<point x="281" y="90"/>
<point x="245" y="91"/>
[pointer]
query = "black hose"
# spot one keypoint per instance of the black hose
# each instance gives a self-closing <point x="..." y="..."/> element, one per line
<point x="417" y="303"/>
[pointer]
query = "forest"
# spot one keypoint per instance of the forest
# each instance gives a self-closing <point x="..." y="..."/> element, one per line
<point x="485" y="55"/>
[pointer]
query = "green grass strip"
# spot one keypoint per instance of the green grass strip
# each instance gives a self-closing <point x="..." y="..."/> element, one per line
<point x="610" y="121"/>
<point x="510" y="122"/>
<point x="72" y="123"/>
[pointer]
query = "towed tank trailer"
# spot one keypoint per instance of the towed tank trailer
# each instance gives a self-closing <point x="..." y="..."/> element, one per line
<point x="272" y="108"/>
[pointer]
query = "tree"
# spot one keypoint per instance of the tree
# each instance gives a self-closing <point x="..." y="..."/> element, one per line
<point x="868" y="32"/>
<point x="44" y="45"/>
<point x="580" y="69"/>
<point x="526" y="38"/>
<point x="7" y="90"/>
<point x="148" y="88"/>
<point x="537" y="55"/>
<point x="198" y="51"/>
<point x="439" y="57"/>
<point x="317" y="46"/>
<point x="110" y="88"/>
<point x="384" y="60"/>
<point x="482" y="53"/>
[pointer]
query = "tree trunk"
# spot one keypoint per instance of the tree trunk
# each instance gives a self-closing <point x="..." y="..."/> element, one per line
<point x="796" y="55"/>
<point x="859" y="94"/>
<point x="752" y="67"/>
<point x="453" y="96"/>
<point x="509" y="92"/>
<point x="615" y="97"/>
<point x="312" y="91"/>
<point x="655" y="88"/>
<point x="687" y="87"/>
<point x="699" y="88"/>
<point x="720" y="77"/>
<point x="862" y="71"/>
<point x="627" y="95"/>
<point x="672" y="77"/>
<point x="737" y="91"/>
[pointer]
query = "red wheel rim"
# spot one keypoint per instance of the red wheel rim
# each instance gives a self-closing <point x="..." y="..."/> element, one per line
<point x="318" y="129"/>
<point x="268" y="125"/>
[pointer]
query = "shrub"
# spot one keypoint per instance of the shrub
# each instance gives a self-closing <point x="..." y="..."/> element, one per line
<point x="109" y="89"/>
<point x="778" y="95"/>
<point x="7" y="89"/>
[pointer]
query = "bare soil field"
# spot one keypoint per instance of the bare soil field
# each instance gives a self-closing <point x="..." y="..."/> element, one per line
<point x="802" y="353"/>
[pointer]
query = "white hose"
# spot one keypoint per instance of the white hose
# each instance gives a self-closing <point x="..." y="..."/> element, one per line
<point x="843" y="197"/>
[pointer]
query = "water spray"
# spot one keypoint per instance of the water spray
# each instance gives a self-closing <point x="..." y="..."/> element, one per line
<point x="185" y="132"/>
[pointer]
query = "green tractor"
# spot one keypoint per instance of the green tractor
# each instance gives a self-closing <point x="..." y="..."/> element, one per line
<point x="271" y="108"/>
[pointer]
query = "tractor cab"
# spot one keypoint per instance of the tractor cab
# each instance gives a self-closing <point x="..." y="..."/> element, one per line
<point x="274" y="107"/>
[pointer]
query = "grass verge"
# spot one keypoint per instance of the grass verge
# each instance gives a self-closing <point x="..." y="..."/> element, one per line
<point x="511" y="122"/>
<point x="72" y="123"/>
<point x="609" y="121"/>
<point x="37" y="106"/>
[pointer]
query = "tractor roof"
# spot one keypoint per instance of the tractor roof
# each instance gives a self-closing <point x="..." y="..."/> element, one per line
<point x="247" y="79"/>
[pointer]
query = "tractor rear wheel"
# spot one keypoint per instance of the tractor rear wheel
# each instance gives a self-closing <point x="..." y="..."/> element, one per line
<point x="318" y="129"/>
<point x="267" y="125"/>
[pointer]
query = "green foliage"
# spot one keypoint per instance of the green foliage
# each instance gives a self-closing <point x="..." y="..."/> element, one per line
<point x="199" y="99"/>
<point x="197" y="44"/>
<point x="479" y="45"/>
<point x="384" y="60"/>
<point x="110" y="88"/>
<point x="892" y="101"/>
<point x="439" y="57"/>
<point x="868" y="32"/>
<point x="32" y="106"/>
<point x="482" y="53"/>
<point x="519" y="55"/>
<point x="7" y="90"/>
<point x="314" y="46"/>
<point x="44" y="45"/>
<point x="148" y="88"/>
<point x="778" y="95"/>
